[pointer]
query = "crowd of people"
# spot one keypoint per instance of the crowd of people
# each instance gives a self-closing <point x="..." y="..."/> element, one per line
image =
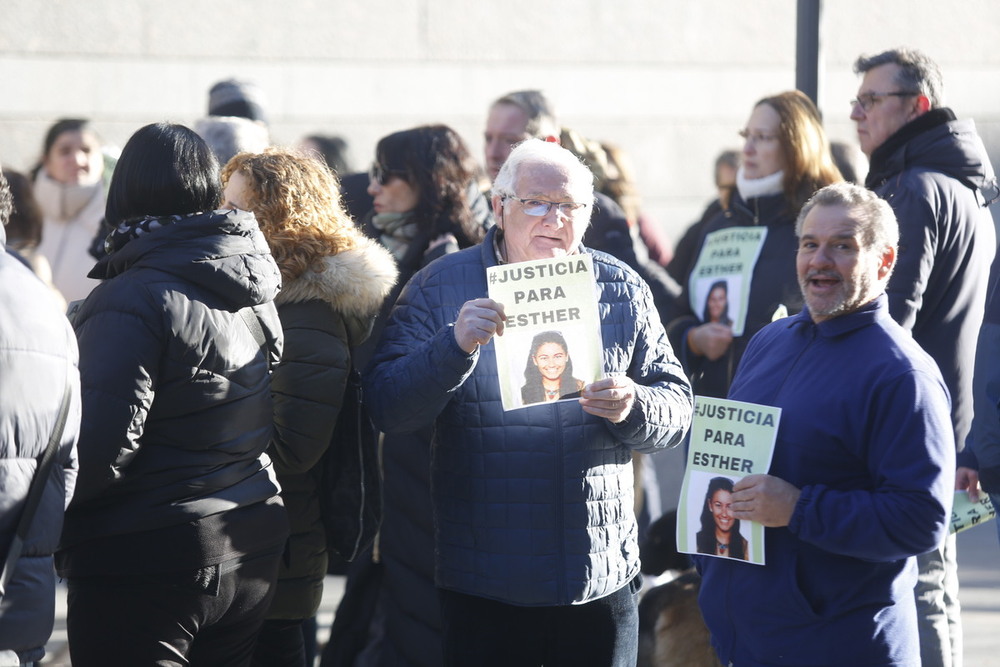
<point x="178" y="324"/>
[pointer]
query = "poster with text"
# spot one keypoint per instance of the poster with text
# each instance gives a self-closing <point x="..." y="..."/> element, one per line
<point x="729" y="440"/>
<point x="551" y="345"/>
<point x="965" y="513"/>
<point x="719" y="285"/>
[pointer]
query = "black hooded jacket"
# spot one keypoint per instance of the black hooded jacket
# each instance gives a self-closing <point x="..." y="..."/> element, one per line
<point x="935" y="173"/>
<point x="176" y="402"/>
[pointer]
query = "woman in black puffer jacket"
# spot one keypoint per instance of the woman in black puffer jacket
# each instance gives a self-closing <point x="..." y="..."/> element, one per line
<point x="172" y="541"/>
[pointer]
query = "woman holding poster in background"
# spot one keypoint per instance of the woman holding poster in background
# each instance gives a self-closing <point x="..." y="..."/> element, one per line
<point x="786" y="157"/>
<point x="720" y="532"/>
<point x="548" y="373"/>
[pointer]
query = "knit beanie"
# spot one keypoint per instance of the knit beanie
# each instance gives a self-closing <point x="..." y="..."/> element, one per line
<point x="236" y="98"/>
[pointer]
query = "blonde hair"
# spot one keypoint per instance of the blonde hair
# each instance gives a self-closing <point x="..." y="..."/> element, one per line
<point x="809" y="163"/>
<point x="296" y="200"/>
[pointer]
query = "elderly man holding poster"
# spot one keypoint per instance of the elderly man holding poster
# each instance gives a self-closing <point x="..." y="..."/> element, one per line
<point x="537" y="554"/>
<point x="862" y="472"/>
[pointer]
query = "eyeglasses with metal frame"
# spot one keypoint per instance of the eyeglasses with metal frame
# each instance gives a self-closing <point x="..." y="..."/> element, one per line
<point x="756" y="137"/>
<point x="868" y="100"/>
<point x="538" y="208"/>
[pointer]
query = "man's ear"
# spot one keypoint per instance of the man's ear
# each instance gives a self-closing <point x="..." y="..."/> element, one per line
<point x="923" y="104"/>
<point x="497" y="202"/>
<point x="886" y="262"/>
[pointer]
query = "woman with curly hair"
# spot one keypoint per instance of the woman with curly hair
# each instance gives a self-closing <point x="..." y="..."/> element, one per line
<point x="333" y="283"/>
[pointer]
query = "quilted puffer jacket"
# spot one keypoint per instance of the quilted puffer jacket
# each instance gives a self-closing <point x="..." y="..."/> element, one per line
<point x="38" y="357"/>
<point x="322" y="315"/>
<point x="534" y="506"/>
<point x="176" y="391"/>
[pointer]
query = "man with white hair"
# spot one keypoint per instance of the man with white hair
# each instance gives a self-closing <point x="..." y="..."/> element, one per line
<point x="523" y="114"/>
<point x="863" y="469"/>
<point x="536" y="540"/>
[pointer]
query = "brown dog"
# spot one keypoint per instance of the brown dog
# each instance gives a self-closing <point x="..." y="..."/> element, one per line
<point x="671" y="630"/>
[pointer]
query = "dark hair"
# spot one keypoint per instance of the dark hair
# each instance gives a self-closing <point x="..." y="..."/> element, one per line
<point x="56" y="130"/>
<point x="916" y="72"/>
<point x="707" y="544"/>
<point x="434" y="160"/>
<point x="724" y="318"/>
<point x="727" y="158"/>
<point x="333" y="150"/>
<point x="164" y="169"/>
<point x="232" y="97"/>
<point x="533" y="376"/>
<point x="23" y="216"/>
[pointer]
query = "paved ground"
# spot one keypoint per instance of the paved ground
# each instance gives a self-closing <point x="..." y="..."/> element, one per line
<point x="979" y="572"/>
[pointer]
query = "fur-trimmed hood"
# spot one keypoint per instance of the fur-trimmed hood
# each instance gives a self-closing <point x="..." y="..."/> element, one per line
<point x="354" y="282"/>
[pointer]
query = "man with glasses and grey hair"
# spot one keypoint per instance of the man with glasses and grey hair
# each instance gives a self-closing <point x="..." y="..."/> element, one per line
<point x="934" y="171"/>
<point x="525" y="114"/>
<point x="536" y="542"/>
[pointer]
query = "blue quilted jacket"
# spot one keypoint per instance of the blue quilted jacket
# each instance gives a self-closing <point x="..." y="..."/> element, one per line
<point x="532" y="507"/>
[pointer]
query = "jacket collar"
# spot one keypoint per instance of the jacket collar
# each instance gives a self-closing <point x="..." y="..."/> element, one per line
<point x="353" y="282"/>
<point x="868" y="314"/>
<point x="883" y="156"/>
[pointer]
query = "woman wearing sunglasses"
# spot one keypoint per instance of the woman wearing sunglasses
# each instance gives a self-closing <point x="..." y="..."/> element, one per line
<point x="425" y="187"/>
<point x="420" y="184"/>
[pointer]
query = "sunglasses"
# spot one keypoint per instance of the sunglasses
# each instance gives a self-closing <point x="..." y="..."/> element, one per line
<point x="379" y="174"/>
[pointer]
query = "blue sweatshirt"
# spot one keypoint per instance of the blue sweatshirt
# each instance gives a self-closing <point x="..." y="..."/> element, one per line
<point x="866" y="434"/>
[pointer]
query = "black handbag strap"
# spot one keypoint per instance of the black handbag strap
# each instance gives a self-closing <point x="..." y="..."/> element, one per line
<point x="253" y="324"/>
<point x="36" y="490"/>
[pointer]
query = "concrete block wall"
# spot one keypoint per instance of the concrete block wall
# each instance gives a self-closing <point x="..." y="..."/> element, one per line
<point x="670" y="81"/>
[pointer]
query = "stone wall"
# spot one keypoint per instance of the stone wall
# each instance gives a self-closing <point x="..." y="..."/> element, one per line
<point x="670" y="81"/>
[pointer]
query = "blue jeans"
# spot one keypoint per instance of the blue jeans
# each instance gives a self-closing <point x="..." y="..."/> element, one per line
<point x="939" y="615"/>
<point x="487" y="633"/>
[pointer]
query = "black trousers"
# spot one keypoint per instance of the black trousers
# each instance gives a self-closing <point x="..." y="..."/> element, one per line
<point x="204" y="617"/>
<point x="487" y="633"/>
<point x="281" y="643"/>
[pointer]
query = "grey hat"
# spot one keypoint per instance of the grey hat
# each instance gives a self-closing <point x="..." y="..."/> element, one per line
<point x="236" y="98"/>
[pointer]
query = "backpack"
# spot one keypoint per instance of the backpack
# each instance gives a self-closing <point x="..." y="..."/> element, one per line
<point x="349" y="479"/>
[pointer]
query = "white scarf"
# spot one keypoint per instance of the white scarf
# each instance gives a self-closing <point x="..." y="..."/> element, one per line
<point x="63" y="202"/>
<point x="751" y="188"/>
